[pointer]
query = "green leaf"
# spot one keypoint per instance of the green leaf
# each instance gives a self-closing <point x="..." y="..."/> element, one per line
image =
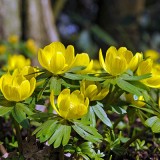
<point x="5" y="110"/>
<point x="101" y="114"/>
<point x="135" y="78"/>
<point x="20" y="116"/>
<point x="5" y="103"/>
<point x="87" y="132"/>
<point x="126" y="86"/>
<point x="146" y="110"/>
<point x="55" y="85"/>
<point x="43" y="126"/>
<point x="45" y="74"/>
<point x="69" y="148"/>
<point x="77" y="68"/>
<point x="82" y="76"/>
<point x="118" y="110"/>
<point x="26" y="109"/>
<point x="87" y="149"/>
<point x="43" y="89"/>
<point x="67" y="85"/>
<point x="140" y="85"/>
<point x="84" y="156"/>
<point x="154" y="124"/>
<point x="57" y="135"/>
<point x="60" y="134"/>
<point x="66" y="134"/>
<point x="48" y="131"/>
<point x="40" y="116"/>
<point x="90" y="116"/>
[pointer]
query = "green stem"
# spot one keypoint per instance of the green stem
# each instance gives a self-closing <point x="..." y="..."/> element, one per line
<point x="18" y="135"/>
<point x="127" y="144"/>
<point x="61" y="154"/>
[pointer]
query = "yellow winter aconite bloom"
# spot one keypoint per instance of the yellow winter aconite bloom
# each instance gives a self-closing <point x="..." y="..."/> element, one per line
<point x="148" y="67"/>
<point x="70" y="105"/>
<point x="17" y="61"/>
<point x="135" y="61"/>
<point x="93" y="90"/>
<point x="13" y="39"/>
<point x="133" y="99"/>
<point x="2" y="49"/>
<point x="96" y="65"/>
<point x="28" y="72"/>
<point x="30" y="44"/>
<point x="16" y="87"/>
<point x="118" y="61"/>
<point x="152" y="54"/>
<point x="58" y="59"/>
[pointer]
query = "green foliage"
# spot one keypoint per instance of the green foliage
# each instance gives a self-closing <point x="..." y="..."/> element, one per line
<point x="87" y="132"/>
<point x="153" y="123"/>
<point x="101" y="129"/>
<point x="101" y="114"/>
<point x="20" y="116"/>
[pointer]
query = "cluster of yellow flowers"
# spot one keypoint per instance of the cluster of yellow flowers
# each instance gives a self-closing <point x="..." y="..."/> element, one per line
<point x="59" y="60"/>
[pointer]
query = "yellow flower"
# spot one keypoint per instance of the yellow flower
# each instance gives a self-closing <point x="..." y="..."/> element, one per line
<point x="88" y="69"/>
<point x="17" y="61"/>
<point x="118" y="61"/>
<point x="13" y="39"/>
<point x="148" y="67"/>
<point x="16" y="87"/>
<point x="93" y="90"/>
<point x="70" y="105"/>
<point x="133" y="99"/>
<point x="28" y="72"/>
<point x="154" y="55"/>
<point x="58" y="60"/>
<point x="135" y="61"/>
<point x="30" y="44"/>
<point x="96" y="65"/>
<point x="2" y="49"/>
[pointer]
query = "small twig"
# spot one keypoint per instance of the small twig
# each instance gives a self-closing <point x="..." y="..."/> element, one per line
<point x="3" y="150"/>
<point x="18" y="135"/>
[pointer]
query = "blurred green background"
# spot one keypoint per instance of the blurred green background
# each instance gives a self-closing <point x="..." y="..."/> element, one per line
<point x="87" y="24"/>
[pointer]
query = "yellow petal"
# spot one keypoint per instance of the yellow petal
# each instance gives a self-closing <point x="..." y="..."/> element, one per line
<point x="145" y="67"/>
<point x="6" y="79"/>
<point x="101" y="94"/>
<point x="101" y="60"/>
<point x="69" y="54"/>
<point x="77" y="97"/>
<point x="63" y="95"/>
<point x="43" y="60"/>
<point x="65" y="107"/>
<point x="52" y="102"/>
<point x="57" y="47"/>
<point x="14" y="94"/>
<point x="24" y="90"/>
<point x="81" y="60"/>
<point x="6" y="91"/>
<point x="57" y="65"/>
<point x="117" y="66"/>
<point x="153" y="82"/>
<point x="91" y="91"/>
<point x="88" y="69"/>
<point x="32" y="85"/>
